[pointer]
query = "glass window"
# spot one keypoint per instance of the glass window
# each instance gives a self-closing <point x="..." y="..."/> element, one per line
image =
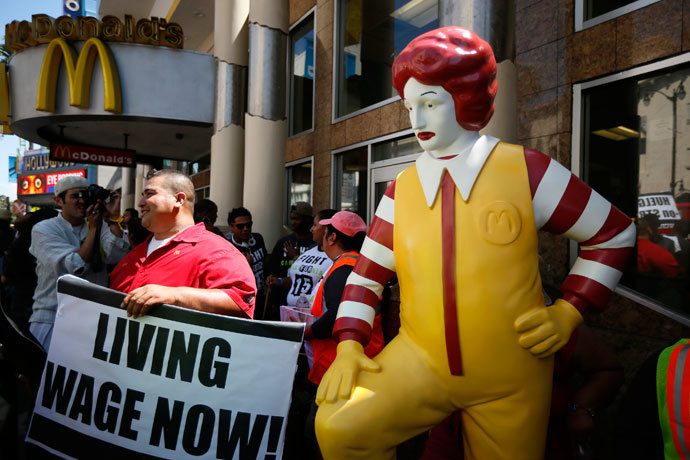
<point x="301" y="85"/>
<point x="636" y="144"/>
<point x="594" y="8"/>
<point x="370" y="35"/>
<point x="201" y="193"/>
<point x="202" y="164"/>
<point x="351" y="181"/>
<point x="397" y="148"/>
<point x="298" y="185"/>
<point x="589" y="13"/>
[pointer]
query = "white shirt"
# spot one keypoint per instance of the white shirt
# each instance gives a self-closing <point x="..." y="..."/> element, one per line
<point x="155" y="244"/>
<point x="306" y="272"/>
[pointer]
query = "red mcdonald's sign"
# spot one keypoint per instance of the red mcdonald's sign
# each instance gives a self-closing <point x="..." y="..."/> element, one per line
<point x="92" y="155"/>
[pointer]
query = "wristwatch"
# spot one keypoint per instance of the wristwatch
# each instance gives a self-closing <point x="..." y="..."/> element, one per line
<point x="589" y="410"/>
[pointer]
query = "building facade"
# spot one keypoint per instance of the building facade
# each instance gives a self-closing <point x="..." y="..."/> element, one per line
<point x="304" y="109"/>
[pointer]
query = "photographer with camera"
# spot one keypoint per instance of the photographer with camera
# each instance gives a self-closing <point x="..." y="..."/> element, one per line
<point x="84" y="237"/>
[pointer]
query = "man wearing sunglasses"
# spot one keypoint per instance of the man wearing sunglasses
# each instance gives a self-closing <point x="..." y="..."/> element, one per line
<point x="240" y="234"/>
<point x="71" y="243"/>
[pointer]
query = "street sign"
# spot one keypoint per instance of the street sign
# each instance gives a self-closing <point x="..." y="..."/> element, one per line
<point x="18" y="208"/>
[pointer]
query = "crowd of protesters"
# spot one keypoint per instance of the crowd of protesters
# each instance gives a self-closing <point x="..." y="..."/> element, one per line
<point x="306" y="270"/>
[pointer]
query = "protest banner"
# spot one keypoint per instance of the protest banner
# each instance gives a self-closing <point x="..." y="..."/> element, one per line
<point x="663" y="205"/>
<point x="175" y="383"/>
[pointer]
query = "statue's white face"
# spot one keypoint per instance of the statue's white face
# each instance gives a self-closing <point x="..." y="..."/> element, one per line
<point x="432" y="114"/>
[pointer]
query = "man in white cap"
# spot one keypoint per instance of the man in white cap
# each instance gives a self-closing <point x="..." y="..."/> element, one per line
<point x="69" y="244"/>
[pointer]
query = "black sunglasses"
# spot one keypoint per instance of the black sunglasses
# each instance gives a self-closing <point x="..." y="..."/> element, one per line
<point x="243" y="226"/>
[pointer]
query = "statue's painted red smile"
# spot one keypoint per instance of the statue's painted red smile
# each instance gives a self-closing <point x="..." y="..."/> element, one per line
<point x="425" y="135"/>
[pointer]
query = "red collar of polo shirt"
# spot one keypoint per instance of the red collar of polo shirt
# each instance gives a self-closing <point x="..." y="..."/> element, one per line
<point x="189" y="235"/>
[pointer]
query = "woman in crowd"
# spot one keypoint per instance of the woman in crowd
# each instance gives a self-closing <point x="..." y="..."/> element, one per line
<point x="341" y="240"/>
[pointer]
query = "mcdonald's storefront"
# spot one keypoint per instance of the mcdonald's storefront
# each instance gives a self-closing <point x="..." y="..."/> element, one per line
<point x="108" y="84"/>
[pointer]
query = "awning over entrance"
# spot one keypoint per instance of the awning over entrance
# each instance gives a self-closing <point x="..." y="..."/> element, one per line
<point x="167" y="100"/>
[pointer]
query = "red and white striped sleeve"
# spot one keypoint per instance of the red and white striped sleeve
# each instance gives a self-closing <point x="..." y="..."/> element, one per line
<point x="375" y="267"/>
<point x="564" y="205"/>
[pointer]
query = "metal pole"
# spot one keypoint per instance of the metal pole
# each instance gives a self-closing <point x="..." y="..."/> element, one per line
<point x="673" y="145"/>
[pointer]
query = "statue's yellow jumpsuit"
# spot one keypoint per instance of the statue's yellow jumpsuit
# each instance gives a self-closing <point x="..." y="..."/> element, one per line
<point x="504" y="391"/>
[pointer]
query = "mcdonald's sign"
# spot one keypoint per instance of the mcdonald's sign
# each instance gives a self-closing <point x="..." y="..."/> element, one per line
<point x="79" y="73"/>
<point x="92" y="155"/>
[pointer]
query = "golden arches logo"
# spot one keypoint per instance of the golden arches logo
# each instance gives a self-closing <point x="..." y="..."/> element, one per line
<point x="499" y="222"/>
<point x="79" y="73"/>
<point x="60" y="152"/>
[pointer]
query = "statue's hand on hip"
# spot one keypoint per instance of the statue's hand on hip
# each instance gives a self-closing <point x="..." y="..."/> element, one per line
<point x="340" y="379"/>
<point x="545" y="330"/>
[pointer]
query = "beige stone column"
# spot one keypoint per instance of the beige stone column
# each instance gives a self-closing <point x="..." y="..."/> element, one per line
<point x="494" y="21"/>
<point x="128" y="199"/>
<point x="227" y="143"/>
<point x="140" y="182"/>
<point x="266" y="125"/>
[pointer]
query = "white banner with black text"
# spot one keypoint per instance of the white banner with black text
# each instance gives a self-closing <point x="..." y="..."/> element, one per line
<point x="175" y="383"/>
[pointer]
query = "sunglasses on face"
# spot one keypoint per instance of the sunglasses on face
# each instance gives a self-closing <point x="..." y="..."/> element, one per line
<point x="243" y="226"/>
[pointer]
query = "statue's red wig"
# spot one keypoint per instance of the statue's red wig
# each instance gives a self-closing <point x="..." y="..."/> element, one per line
<point x="459" y="61"/>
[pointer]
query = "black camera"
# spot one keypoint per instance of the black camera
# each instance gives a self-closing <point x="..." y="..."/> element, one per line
<point x="94" y="193"/>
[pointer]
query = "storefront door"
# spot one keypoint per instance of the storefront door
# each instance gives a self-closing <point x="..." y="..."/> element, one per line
<point x="381" y="178"/>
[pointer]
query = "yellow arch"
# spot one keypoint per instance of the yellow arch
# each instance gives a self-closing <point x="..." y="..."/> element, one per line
<point x="78" y="75"/>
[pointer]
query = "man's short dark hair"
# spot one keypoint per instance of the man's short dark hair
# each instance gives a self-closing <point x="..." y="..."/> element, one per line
<point x="238" y="212"/>
<point x="138" y="232"/>
<point x="205" y="205"/>
<point x="133" y="212"/>
<point x="326" y="214"/>
<point x="175" y="182"/>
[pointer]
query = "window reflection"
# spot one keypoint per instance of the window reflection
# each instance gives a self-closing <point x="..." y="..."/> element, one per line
<point x="395" y="149"/>
<point x="301" y="77"/>
<point x="636" y="152"/>
<point x="351" y="182"/>
<point x="298" y="185"/>
<point x="594" y="8"/>
<point x="371" y="34"/>
<point x="202" y="164"/>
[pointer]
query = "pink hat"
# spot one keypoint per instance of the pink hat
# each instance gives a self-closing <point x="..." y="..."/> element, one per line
<point x="346" y="222"/>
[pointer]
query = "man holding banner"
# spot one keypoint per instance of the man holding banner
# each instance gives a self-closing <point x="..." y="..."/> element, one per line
<point x="181" y="263"/>
<point x="177" y="383"/>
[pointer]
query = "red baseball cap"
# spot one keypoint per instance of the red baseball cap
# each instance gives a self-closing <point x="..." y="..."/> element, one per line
<point x="346" y="222"/>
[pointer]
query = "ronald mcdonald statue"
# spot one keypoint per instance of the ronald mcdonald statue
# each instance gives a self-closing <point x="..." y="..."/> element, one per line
<point x="459" y="228"/>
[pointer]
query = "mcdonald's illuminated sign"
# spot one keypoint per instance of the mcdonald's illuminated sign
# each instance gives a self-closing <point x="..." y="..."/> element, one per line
<point x="92" y="155"/>
<point x="79" y="73"/>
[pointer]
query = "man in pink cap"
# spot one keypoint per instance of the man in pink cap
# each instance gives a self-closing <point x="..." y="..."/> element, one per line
<point x="343" y="239"/>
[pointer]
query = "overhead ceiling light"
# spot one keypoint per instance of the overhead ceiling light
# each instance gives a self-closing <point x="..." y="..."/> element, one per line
<point x="624" y="131"/>
<point x="617" y="133"/>
<point x="609" y="135"/>
<point x="417" y="12"/>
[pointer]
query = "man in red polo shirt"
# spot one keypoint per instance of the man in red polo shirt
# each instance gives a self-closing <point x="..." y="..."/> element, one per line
<point x="182" y="263"/>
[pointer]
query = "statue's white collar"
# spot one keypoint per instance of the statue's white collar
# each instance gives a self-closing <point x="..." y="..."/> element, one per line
<point x="464" y="169"/>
